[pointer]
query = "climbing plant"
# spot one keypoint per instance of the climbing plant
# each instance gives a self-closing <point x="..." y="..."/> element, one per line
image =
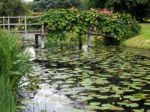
<point x="117" y="26"/>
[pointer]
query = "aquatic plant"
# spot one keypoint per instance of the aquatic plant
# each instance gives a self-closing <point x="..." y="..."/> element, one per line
<point x="13" y="65"/>
<point x="7" y="99"/>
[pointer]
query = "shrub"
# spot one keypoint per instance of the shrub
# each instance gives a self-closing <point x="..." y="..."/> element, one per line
<point x="119" y="27"/>
<point x="116" y="26"/>
<point x="132" y="27"/>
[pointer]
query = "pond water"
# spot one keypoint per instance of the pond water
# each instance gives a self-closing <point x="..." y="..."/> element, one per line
<point x="103" y="79"/>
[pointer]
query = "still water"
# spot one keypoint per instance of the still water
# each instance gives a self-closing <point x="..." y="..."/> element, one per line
<point x="102" y="79"/>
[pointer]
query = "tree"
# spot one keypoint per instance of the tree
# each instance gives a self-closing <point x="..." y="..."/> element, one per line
<point x="12" y="7"/>
<point x="96" y="3"/>
<point x="44" y="5"/>
<point x="137" y="8"/>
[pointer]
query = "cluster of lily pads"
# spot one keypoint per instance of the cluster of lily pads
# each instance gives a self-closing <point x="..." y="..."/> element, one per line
<point x="107" y="79"/>
<point x="103" y="79"/>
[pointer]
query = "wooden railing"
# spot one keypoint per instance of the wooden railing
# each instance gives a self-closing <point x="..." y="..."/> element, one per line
<point x="13" y="23"/>
<point x="24" y="25"/>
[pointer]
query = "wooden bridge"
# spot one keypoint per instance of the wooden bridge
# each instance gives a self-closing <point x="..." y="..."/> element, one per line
<point x="24" y="25"/>
<point x="27" y="25"/>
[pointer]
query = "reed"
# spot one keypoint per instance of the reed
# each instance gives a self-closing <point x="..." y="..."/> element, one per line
<point x="7" y="99"/>
<point x="13" y="65"/>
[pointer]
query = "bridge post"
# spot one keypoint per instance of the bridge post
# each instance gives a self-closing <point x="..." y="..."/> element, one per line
<point x="42" y="42"/>
<point x="8" y="23"/>
<point x="80" y="42"/>
<point x="42" y="37"/>
<point x="19" y="19"/>
<point x="36" y="41"/>
<point x="3" y="22"/>
<point x="89" y="39"/>
<point x="25" y="25"/>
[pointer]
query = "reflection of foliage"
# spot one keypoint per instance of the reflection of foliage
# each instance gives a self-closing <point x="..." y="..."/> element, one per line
<point x="68" y="20"/>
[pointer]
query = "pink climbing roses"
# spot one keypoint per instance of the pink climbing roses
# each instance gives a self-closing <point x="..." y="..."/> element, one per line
<point x="106" y="11"/>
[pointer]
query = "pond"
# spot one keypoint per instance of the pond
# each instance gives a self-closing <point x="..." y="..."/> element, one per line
<point x="103" y="79"/>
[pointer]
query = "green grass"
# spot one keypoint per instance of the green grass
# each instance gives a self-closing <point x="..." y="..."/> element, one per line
<point x="142" y="40"/>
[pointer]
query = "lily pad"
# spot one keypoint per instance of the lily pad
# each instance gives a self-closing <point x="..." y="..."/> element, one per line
<point x="95" y="103"/>
<point x="132" y="98"/>
<point x="106" y="107"/>
<point x="148" y="104"/>
<point x="103" y="97"/>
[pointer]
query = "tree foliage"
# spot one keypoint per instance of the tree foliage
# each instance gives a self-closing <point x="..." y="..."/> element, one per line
<point x="95" y="3"/>
<point x="44" y="5"/>
<point x="12" y="7"/>
<point x="138" y="8"/>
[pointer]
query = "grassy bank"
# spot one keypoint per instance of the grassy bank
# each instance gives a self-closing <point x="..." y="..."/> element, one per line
<point x="142" y="40"/>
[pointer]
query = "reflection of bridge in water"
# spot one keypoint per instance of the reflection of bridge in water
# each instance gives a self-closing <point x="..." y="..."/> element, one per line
<point x="24" y="25"/>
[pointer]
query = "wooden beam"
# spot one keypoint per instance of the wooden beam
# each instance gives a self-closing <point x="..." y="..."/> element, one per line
<point x="25" y="24"/>
<point x="42" y="37"/>
<point x="8" y="23"/>
<point x="3" y="22"/>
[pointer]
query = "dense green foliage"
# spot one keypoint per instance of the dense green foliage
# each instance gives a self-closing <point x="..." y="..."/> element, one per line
<point x="12" y="7"/>
<point x="128" y="6"/>
<point x="7" y="99"/>
<point x="122" y="6"/>
<point x="13" y="65"/>
<point x="71" y="20"/>
<point x="44" y="5"/>
<point x="94" y="3"/>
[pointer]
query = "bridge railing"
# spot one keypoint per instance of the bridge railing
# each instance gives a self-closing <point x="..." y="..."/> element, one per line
<point x="22" y="24"/>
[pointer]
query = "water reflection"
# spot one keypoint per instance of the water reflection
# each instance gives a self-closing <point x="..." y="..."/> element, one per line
<point x="46" y="99"/>
<point x="30" y="51"/>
